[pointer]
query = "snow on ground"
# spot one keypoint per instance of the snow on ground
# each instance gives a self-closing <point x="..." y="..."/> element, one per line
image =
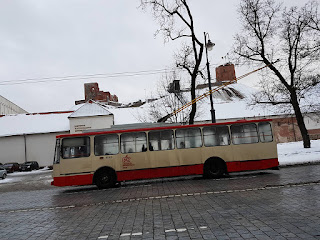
<point x="45" y="169"/>
<point x="19" y="176"/>
<point x="293" y="153"/>
<point x="288" y="154"/>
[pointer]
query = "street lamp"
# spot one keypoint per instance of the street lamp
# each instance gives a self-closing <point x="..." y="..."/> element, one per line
<point x="209" y="45"/>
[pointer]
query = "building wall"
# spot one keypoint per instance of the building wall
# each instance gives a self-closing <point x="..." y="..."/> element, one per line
<point x="12" y="149"/>
<point x="286" y="128"/>
<point x="7" y="107"/>
<point x="79" y="124"/>
<point x="39" y="147"/>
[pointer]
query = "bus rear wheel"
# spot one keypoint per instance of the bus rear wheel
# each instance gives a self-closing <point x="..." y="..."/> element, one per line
<point x="214" y="168"/>
<point x="105" y="178"/>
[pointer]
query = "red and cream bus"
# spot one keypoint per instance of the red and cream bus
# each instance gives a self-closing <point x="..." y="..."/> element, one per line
<point x="106" y="157"/>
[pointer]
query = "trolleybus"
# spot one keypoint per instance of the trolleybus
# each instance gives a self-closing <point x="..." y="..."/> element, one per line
<point x="212" y="150"/>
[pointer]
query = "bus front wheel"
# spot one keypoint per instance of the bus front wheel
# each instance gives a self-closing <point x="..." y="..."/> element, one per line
<point x="105" y="178"/>
<point x="214" y="168"/>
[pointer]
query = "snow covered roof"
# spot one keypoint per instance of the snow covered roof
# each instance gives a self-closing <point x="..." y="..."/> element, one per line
<point x="20" y="124"/>
<point x="230" y="103"/>
<point x="90" y="109"/>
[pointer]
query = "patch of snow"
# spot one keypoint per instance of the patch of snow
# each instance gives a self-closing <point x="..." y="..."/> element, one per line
<point x="293" y="153"/>
<point x="29" y="173"/>
<point x="9" y="180"/>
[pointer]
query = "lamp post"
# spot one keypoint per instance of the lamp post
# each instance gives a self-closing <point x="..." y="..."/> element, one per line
<point x="209" y="45"/>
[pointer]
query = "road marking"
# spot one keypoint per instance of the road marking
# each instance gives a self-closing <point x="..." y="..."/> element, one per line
<point x="125" y="234"/>
<point x="164" y="196"/>
<point x="183" y="229"/>
<point x="131" y="234"/>
<point x="103" y="237"/>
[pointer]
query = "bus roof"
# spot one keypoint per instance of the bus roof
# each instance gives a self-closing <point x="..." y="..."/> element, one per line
<point x="158" y="128"/>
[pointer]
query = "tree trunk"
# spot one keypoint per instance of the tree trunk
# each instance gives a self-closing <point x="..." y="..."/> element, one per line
<point x="299" y="117"/>
<point x="193" y="96"/>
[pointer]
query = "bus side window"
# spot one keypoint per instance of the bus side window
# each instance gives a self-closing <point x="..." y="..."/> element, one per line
<point x="188" y="138"/>
<point x="265" y="132"/>
<point x="133" y="142"/>
<point x="216" y="136"/>
<point x="160" y="140"/>
<point x="106" y="144"/>
<point x="244" y="133"/>
<point x="75" y="147"/>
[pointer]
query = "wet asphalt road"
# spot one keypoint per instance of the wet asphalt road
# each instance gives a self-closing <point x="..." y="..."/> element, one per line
<point x="282" y="204"/>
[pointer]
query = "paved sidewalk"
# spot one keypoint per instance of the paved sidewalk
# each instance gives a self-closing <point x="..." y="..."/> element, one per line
<point x="273" y="205"/>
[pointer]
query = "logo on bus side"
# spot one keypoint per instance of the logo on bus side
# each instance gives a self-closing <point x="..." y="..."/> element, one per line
<point x="126" y="162"/>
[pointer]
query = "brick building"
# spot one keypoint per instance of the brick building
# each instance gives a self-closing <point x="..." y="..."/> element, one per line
<point x="92" y="92"/>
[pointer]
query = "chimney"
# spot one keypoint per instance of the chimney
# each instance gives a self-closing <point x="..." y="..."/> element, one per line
<point x="225" y="73"/>
<point x="91" y="91"/>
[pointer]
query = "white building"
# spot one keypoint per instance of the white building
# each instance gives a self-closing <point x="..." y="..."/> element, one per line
<point x="91" y="115"/>
<point x="31" y="137"/>
<point x="7" y="107"/>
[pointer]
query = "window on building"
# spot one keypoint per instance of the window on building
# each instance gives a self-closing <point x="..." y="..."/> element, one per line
<point x="188" y="138"/>
<point x="244" y="133"/>
<point x="133" y="142"/>
<point x="106" y="144"/>
<point x="161" y="140"/>
<point x="265" y="132"/>
<point x="216" y="136"/>
<point x="76" y="147"/>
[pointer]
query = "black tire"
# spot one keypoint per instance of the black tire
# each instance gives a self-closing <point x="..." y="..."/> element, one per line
<point x="214" y="168"/>
<point x="4" y="176"/>
<point x="105" y="178"/>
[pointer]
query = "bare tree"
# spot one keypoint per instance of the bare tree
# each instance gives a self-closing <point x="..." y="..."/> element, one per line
<point x="291" y="35"/>
<point x="176" y="22"/>
<point x="168" y="101"/>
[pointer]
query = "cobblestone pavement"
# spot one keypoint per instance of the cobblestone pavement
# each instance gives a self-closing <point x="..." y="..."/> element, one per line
<point x="281" y="204"/>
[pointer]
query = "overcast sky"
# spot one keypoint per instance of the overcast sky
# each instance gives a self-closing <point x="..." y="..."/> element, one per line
<point x="58" y="38"/>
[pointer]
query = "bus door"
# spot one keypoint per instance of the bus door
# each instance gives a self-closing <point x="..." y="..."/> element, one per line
<point x="188" y="144"/>
<point x="134" y="163"/>
<point x="162" y="153"/>
<point x="75" y="156"/>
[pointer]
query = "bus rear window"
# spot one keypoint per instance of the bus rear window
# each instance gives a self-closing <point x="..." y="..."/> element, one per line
<point x="161" y="140"/>
<point x="106" y="144"/>
<point x="216" y="136"/>
<point x="244" y="133"/>
<point x="188" y="138"/>
<point x="133" y="142"/>
<point x="76" y="147"/>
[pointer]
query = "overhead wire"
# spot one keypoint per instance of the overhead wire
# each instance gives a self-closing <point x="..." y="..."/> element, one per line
<point x="86" y="76"/>
<point x="82" y="77"/>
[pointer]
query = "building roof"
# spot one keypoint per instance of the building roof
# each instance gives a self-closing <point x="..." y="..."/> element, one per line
<point x="90" y="109"/>
<point x="20" y="124"/>
<point x="9" y="107"/>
